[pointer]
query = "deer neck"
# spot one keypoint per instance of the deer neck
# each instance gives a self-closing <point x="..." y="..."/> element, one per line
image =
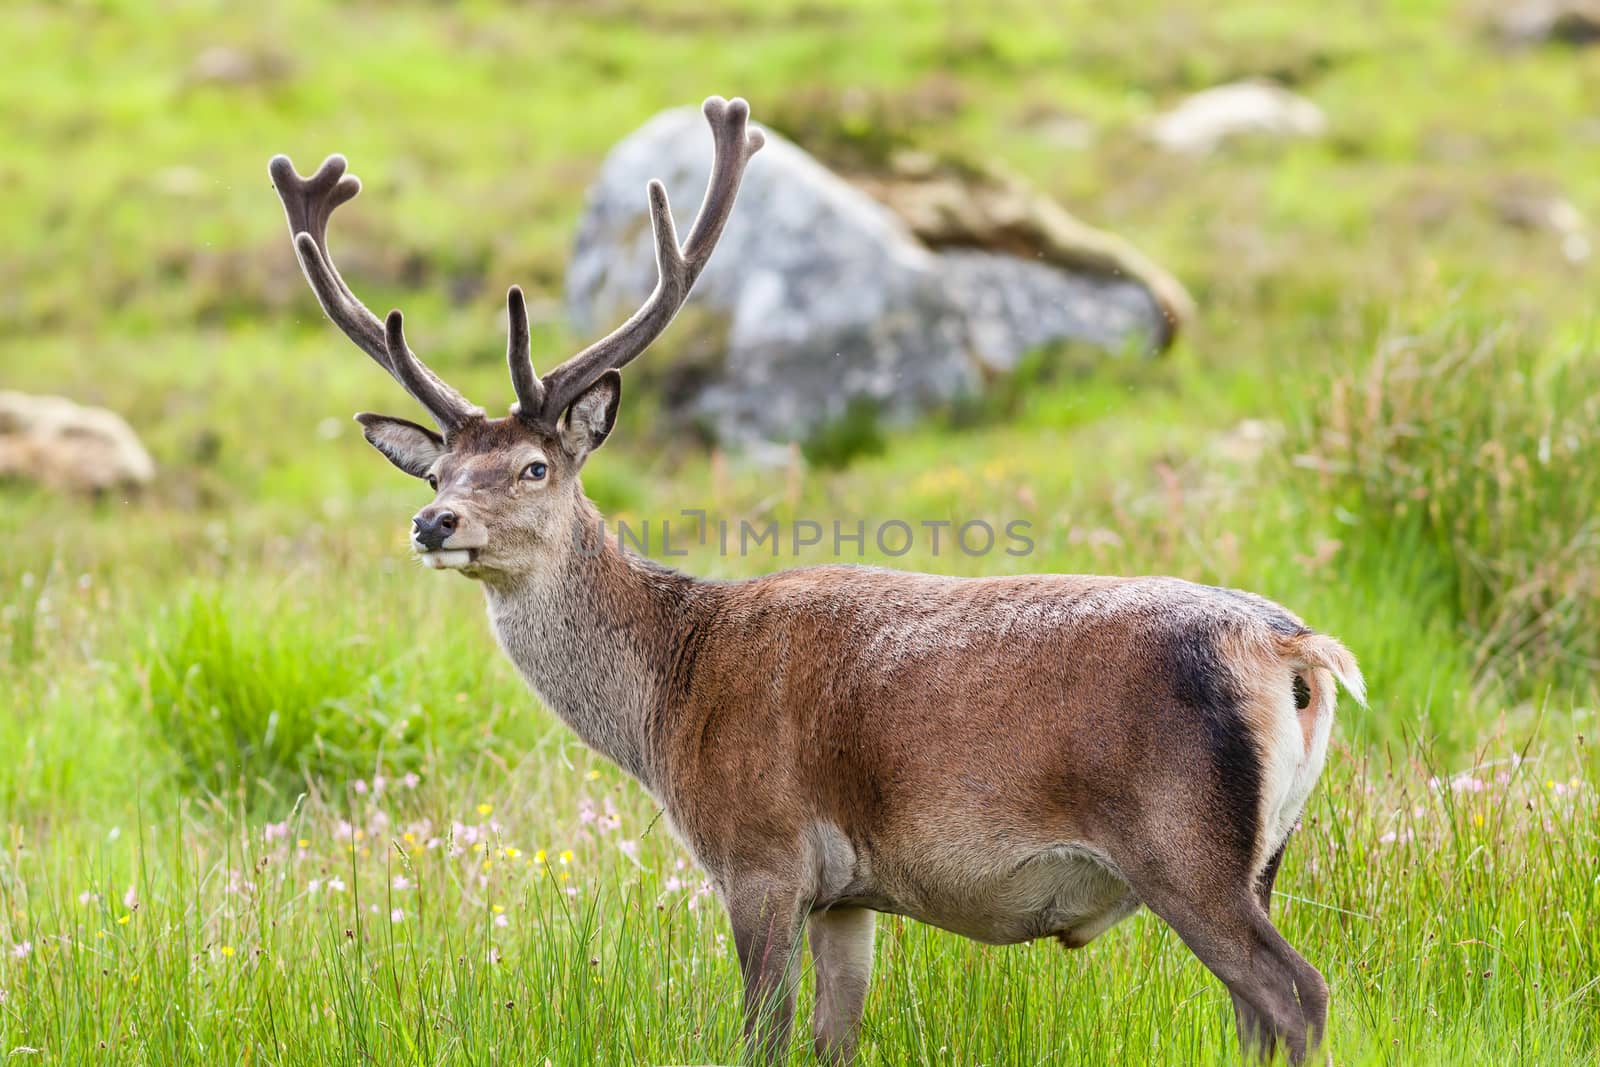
<point x="596" y="632"/>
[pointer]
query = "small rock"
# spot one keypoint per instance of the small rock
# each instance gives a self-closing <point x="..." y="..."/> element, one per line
<point x="54" y="442"/>
<point x="1247" y="441"/>
<point x="1205" y="121"/>
<point x="1530" y="206"/>
<point x="1060" y="128"/>
<point x="227" y="65"/>
<point x="1532" y="22"/>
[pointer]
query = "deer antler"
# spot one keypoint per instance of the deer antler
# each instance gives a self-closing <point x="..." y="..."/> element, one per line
<point x="309" y="202"/>
<point x="543" y="403"/>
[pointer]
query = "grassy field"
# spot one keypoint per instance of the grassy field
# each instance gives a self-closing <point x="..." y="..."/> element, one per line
<point x="269" y="793"/>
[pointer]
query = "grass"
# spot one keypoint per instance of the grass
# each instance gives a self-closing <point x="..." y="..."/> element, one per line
<point x="1384" y="417"/>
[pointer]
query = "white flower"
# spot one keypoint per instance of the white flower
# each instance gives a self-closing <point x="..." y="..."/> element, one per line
<point x="22" y="949"/>
<point x="398" y="915"/>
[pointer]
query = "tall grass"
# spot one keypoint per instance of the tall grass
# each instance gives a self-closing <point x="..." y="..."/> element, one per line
<point x="245" y="694"/>
<point x="1480" y="445"/>
<point x="399" y="923"/>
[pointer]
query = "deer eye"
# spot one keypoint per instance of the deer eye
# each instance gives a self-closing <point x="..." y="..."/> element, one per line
<point x="433" y="482"/>
<point x="533" y="472"/>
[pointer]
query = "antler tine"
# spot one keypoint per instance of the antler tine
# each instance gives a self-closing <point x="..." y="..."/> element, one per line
<point x="447" y="406"/>
<point x="309" y="203"/>
<point x="676" y="268"/>
<point x="530" y="390"/>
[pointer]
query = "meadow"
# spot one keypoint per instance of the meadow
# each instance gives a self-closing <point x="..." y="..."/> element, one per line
<point x="270" y="794"/>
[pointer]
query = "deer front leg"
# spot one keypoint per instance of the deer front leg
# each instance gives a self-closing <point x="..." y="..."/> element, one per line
<point x="766" y="918"/>
<point x="841" y="955"/>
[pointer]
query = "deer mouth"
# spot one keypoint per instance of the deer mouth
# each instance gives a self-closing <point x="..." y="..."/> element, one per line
<point x="448" y="558"/>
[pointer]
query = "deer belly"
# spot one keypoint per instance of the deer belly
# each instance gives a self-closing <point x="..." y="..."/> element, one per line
<point x="1064" y="892"/>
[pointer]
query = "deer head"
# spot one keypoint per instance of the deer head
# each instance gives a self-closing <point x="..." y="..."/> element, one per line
<point x="506" y="489"/>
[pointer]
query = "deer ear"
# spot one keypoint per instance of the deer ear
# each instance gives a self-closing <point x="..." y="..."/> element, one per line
<point x="408" y="446"/>
<point x="591" y="416"/>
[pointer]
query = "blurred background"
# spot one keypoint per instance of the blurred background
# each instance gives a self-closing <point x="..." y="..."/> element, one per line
<point x="1275" y="295"/>
<point x="1236" y="291"/>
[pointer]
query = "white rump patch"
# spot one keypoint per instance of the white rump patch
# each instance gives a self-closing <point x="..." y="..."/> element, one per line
<point x="1291" y="766"/>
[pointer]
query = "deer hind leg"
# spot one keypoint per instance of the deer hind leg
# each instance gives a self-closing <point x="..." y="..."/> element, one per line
<point x="841" y="955"/>
<point x="1277" y="995"/>
<point x="766" y="917"/>
<point x="1255" y="1029"/>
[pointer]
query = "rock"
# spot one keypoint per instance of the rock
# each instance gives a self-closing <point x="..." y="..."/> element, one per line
<point x="1014" y="306"/>
<point x="226" y="65"/>
<point x="61" y="445"/>
<point x="1531" y="205"/>
<point x="1531" y="22"/>
<point x="1205" y="121"/>
<point x="820" y="299"/>
<point x="1247" y="441"/>
<point x="961" y="208"/>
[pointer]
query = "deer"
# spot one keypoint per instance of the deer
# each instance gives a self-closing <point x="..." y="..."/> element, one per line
<point x="1008" y="758"/>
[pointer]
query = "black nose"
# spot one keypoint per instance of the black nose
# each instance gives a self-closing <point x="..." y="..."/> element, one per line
<point x="432" y="527"/>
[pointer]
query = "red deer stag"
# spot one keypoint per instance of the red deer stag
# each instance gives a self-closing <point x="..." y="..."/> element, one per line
<point x="1007" y="758"/>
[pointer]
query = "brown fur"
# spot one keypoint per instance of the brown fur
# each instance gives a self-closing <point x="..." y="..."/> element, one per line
<point x="1009" y="758"/>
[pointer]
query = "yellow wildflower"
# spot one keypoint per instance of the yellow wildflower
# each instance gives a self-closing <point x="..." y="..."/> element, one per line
<point x="484" y="810"/>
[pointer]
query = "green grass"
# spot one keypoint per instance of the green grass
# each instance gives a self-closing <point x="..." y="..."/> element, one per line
<point x="194" y="681"/>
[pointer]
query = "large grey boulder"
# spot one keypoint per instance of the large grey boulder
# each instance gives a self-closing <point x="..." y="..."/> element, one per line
<point x="819" y="297"/>
<point x="51" y="441"/>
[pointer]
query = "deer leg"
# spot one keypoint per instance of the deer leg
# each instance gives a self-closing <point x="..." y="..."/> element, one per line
<point x="1256" y="1036"/>
<point x="1228" y="929"/>
<point x="841" y="955"/>
<point x="766" y="919"/>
